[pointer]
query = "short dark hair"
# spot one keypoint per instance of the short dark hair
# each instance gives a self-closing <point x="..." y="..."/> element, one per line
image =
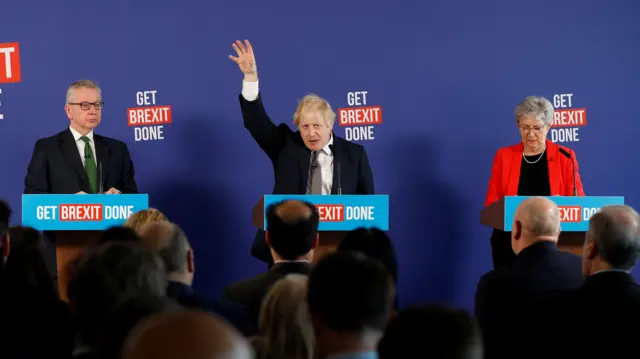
<point x="118" y="233"/>
<point x="108" y="274"/>
<point x="292" y="232"/>
<point x="443" y="332"/>
<point x="374" y="243"/>
<point x="350" y="292"/>
<point x="616" y="232"/>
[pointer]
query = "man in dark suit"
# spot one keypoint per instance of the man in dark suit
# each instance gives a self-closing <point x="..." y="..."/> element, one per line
<point x="170" y="242"/>
<point x="539" y="269"/>
<point x="595" y="314"/>
<point x="76" y="160"/>
<point x="292" y="234"/>
<point x="311" y="160"/>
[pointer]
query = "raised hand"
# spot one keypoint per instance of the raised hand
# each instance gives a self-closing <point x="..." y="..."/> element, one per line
<point x="246" y="60"/>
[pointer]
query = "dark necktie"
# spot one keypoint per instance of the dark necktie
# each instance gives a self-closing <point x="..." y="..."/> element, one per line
<point x="314" y="185"/>
<point x="90" y="165"/>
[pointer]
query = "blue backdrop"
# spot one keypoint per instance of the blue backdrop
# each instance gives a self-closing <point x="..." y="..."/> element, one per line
<point x="446" y="74"/>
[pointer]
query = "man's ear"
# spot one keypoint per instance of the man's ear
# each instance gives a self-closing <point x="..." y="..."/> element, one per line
<point x="6" y="245"/>
<point x="316" y="242"/>
<point x="592" y="250"/>
<point x="267" y="239"/>
<point x="191" y="265"/>
<point x="517" y="230"/>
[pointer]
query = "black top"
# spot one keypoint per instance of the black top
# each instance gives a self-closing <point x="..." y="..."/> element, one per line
<point x="534" y="177"/>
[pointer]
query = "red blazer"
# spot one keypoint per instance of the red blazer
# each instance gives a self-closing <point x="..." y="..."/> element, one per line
<point x="505" y="172"/>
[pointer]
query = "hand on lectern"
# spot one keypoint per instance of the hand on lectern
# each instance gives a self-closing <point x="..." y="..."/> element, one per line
<point x="246" y="60"/>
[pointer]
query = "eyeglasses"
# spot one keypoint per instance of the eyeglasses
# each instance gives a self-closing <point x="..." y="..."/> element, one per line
<point x="87" y="105"/>
<point x="537" y="129"/>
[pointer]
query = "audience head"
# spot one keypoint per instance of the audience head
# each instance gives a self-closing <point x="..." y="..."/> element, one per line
<point x="107" y="275"/>
<point x="5" y="217"/>
<point x="292" y="229"/>
<point x="536" y="219"/>
<point x="170" y="242"/>
<point x="374" y="243"/>
<point x="118" y="233"/>
<point x="285" y="323"/>
<point x="137" y="220"/>
<point x="439" y="332"/>
<point x="26" y="267"/>
<point x="350" y="297"/>
<point x="189" y="334"/>
<point x="612" y="240"/>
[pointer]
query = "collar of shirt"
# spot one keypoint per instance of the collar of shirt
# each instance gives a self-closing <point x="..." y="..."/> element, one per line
<point x="611" y="270"/>
<point x="326" y="148"/>
<point x="293" y="261"/>
<point x="357" y="355"/>
<point x="77" y="135"/>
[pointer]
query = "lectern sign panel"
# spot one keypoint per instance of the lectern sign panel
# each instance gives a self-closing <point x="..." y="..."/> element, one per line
<point x="575" y="211"/>
<point x="57" y="212"/>
<point x="343" y="212"/>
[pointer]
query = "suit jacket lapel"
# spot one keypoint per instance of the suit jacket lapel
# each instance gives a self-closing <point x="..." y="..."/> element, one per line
<point x="102" y="154"/>
<point x="514" y="176"/>
<point x="70" y="150"/>
<point x="337" y="146"/>
<point x="554" y="168"/>
<point x="304" y="157"/>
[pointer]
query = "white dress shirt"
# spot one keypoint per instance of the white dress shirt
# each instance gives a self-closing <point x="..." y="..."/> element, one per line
<point x="80" y="143"/>
<point x="250" y="92"/>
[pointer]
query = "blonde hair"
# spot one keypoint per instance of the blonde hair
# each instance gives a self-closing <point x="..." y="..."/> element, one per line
<point x="137" y="220"/>
<point x="315" y="103"/>
<point x="88" y="84"/>
<point x="285" y="325"/>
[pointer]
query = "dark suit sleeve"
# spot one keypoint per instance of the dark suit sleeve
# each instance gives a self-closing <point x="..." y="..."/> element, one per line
<point x="365" y="176"/>
<point x="262" y="129"/>
<point x="128" y="173"/>
<point x="37" y="178"/>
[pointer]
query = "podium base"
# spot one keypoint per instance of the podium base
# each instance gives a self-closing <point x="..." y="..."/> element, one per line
<point x="69" y="246"/>
<point x="572" y="242"/>
<point x="329" y="241"/>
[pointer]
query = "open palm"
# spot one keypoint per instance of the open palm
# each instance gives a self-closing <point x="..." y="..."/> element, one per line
<point x="245" y="59"/>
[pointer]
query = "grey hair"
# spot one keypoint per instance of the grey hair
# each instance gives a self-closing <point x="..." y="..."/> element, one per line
<point x="82" y="84"/>
<point x="536" y="106"/>
<point x="616" y="232"/>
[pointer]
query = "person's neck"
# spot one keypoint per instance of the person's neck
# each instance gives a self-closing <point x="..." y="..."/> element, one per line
<point x="277" y="258"/>
<point x="347" y="343"/>
<point x="534" y="152"/>
<point x="528" y="242"/>
<point x="598" y="265"/>
<point x="82" y="131"/>
<point x="179" y="277"/>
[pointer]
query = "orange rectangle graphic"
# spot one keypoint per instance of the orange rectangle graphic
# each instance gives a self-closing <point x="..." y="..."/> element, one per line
<point x="152" y="115"/>
<point x="357" y="116"/>
<point x="570" y="117"/>
<point x="10" y="62"/>
<point x="570" y="213"/>
<point x="80" y="212"/>
<point x="331" y="212"/>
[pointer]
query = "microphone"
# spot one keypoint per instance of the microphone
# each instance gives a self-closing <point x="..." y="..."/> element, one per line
<point x="312" y="164"/>
<point x="100" y="186"/>
<point x="564" y="152"/>
<point x="336" y="164"/>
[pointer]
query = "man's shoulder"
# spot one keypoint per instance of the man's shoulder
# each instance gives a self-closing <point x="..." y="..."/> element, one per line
<point x="245" y="285"/>
<point x="110" y="141"/>
<point x="348" y="145"/>
<point x="48" y="140"/>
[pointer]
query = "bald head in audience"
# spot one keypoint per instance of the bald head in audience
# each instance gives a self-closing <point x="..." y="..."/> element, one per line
<point x="186" y="335"/>
<point x="612" y="241"/>
<point x="170" y="242"/>
<point x="536" y="219"/>
<point x="292" y="230"/>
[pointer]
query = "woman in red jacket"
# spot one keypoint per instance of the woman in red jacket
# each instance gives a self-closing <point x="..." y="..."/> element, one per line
<point x="534" y="167"/>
